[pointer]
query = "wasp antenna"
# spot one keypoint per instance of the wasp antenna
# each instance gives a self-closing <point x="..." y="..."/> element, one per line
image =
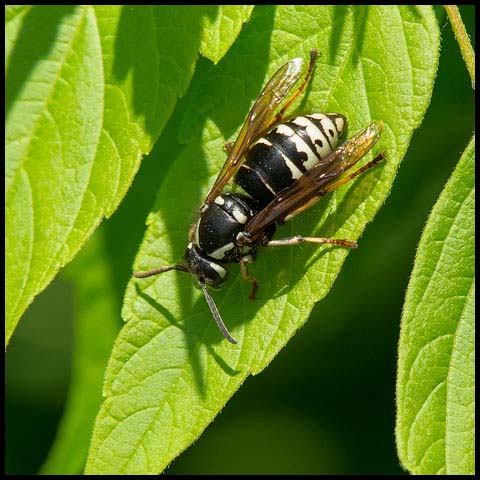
<point x="155" y="271"/>
<point x="216" y="315"/>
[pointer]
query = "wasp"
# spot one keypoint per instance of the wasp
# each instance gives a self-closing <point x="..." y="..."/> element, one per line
<point x="284" y="165"/>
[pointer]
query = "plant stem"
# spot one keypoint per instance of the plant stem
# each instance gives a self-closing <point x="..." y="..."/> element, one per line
<point x="463" y="39"/>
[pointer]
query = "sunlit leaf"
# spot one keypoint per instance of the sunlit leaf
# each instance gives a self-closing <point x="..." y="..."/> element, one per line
<point x="436" y="377"/>
<point x="171" y="371"/>
<point x="88" y="91"/>
<point x="221" y="27"/>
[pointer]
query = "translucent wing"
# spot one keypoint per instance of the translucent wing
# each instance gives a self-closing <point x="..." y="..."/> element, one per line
<point x="258" y="117"/>
<point x="317" y="182"/>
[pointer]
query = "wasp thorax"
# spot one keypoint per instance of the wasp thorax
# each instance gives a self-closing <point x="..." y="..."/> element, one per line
<point x="219" y="225"/>
<point x="203" y="268"/>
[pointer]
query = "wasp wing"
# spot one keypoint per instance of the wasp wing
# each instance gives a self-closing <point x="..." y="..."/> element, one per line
<point x="271" y="96"/>
<point x="316" y="182"/>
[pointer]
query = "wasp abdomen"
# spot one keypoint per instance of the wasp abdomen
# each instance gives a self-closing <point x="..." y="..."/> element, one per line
<point x="286" y="152"/>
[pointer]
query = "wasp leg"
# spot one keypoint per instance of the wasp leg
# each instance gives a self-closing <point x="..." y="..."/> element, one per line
<point x="244" y="261"/>
<point x="281" y="113"/>
<point x="299" y="239"/>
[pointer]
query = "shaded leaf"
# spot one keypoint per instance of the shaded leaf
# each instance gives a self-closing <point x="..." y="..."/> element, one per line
<point x="88" y="90"/>
<point x="96" y="324"/>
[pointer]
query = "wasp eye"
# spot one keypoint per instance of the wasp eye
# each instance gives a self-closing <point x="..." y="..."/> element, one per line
<point x="204" y="268"/>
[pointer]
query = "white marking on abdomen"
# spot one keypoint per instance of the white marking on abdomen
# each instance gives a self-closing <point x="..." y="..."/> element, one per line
<point x="267" y="185"/>
<point x="219" y="200"/>
<point x="300" y="145"/>
<point x="284" y="130"/>
<point x="314" y="133"/>
<point x="264" y="141"/>
<point x="338" y="120"/>
<point x="312" y="159"/>
<point x="317" y="116"/>
<point x="328" y="126"/>
<point x="296" y="173"/>
<point x="340" y="123"/>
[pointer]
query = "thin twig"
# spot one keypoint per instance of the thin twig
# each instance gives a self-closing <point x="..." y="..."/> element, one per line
<point x="463" y="39"/>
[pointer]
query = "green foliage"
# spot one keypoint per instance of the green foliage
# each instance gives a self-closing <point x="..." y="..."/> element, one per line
<point x="83" y="105"/>
<point x="170" y="371"/>
<point x="435" y="389"/>
<point x="95" y="329"/>
<point x="221" y="26"/>
<point x="91" y="91"/>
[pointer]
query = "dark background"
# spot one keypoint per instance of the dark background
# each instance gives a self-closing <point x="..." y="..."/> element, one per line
<point x="326" y="404"/>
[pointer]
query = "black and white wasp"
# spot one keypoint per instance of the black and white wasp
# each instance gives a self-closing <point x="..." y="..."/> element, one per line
<point x="284" y="166"/>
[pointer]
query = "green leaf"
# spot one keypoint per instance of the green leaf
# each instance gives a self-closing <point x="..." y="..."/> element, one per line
<point x="14" y="15"/>
<point x="88" y="91"/>
<point x="171" y="371"/>
<point x="435" y="384"/>
<point x="221" y="26"/>
<point x="96" y="324"/>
